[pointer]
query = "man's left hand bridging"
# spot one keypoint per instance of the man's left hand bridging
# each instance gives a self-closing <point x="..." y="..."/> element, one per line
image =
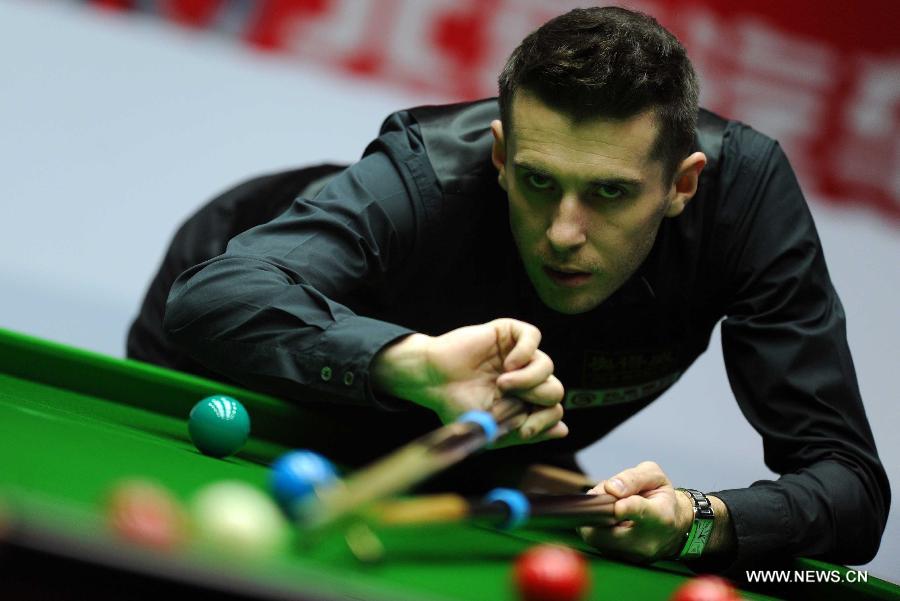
<point x="652" y="516"/>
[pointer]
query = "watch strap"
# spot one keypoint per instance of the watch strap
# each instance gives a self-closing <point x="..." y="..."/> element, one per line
<point x="701" y="526"/>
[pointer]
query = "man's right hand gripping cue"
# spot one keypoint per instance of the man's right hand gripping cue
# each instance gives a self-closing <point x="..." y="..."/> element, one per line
<point x="473" y="367"/>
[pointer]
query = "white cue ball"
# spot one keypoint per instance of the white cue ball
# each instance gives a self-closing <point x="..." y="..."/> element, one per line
<point x="234" y="517"/>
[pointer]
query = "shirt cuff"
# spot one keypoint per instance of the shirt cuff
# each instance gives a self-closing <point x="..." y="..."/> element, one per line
<point x="759" y="517"/>
<point x="343" y="357"/>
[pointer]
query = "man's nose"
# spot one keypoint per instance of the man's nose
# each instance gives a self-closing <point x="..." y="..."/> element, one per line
<point x="567" y="231"/>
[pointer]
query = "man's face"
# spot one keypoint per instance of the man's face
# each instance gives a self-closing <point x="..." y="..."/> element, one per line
<point x="585" y="200"/>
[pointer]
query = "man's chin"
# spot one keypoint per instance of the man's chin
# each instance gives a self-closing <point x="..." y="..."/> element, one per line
<point x="572" y="304"/>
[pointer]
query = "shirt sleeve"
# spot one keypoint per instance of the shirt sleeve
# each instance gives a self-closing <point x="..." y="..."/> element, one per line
<point x="790" y="368"/>
<point x="278" y="311"/>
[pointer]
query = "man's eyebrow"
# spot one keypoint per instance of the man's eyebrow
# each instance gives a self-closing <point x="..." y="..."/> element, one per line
<point x="604" y="181"/>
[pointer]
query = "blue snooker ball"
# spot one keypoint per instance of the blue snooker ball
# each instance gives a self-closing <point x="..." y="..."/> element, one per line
<point x="219" y="425"/>
<point x="296" y="475"/>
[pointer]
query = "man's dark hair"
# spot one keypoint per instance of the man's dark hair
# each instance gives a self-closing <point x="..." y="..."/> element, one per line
<point x="609" y="62"/>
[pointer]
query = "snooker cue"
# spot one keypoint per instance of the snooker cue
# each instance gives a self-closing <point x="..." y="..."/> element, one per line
<point x="406" y="467"/>
<point x="550" y="479"/>
<point x="544" y="511"/>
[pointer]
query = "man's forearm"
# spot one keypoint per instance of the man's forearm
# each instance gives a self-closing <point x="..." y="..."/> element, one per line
<point x="722" y="539"/>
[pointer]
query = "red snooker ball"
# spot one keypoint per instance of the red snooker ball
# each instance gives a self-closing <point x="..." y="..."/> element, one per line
<point x="705" y="588"/>
<point x="146" y="513"/>
<point x="551" y="573"/>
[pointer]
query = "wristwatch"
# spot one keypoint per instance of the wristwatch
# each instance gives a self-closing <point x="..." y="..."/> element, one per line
<point x="701" y="527"/>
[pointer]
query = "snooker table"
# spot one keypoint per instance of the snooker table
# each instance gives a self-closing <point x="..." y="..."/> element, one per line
<point x="72" y="423"/>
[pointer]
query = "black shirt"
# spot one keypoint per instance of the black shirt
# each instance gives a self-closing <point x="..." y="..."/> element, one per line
<point x="415" y="238"/>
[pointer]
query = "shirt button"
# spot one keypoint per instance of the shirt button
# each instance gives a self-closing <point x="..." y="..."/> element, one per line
<point x="325" y="373"/>
<point x="348" y="378"/>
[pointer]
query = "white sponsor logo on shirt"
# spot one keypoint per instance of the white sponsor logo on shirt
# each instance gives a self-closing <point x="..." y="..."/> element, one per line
<point x="580" y="398"/>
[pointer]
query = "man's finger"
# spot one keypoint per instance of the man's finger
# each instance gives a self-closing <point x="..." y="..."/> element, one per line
<point x="558" y="430"/>
<point x="645" y="476"/>
<point x="632" y="508"/>
<point x="599" y="488"/>
<point x="536" y="371"/>
<point x="540" y="421"/>
<point x="549" y="392"/>
<point x="607" y="538"/>
<point x="526" y="339"/>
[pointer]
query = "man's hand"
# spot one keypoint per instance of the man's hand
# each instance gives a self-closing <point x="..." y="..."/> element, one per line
<point x="653" y="517"/>
<point x="473" y="367"/>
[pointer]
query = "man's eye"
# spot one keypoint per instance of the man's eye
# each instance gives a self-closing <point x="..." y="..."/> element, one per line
<point x="538" y="181"/>
<point x="609" y="192"/>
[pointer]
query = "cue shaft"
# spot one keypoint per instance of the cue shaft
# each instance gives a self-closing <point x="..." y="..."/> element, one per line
<point x="545" y="511"/>
<point x="550" y="479"/>
<point x="406" y="467"/>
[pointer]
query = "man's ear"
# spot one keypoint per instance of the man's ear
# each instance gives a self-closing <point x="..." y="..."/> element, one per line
<point x="687" y="178"/>
<point x="498" y="152"/>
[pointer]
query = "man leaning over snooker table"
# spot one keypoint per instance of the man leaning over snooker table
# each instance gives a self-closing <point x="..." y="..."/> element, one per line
<point x="573" y="245"/>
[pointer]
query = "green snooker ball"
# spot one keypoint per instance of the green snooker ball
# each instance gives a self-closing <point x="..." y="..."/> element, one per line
<point x="219" y="425"/>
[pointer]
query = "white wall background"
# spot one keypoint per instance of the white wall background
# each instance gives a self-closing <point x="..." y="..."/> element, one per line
<point x="113" y="130"/>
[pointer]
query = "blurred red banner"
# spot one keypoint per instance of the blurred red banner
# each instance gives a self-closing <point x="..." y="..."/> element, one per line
<point x="822" y="77"/>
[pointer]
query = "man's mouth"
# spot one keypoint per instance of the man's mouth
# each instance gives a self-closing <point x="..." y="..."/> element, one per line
<point x="568" y="278"/>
